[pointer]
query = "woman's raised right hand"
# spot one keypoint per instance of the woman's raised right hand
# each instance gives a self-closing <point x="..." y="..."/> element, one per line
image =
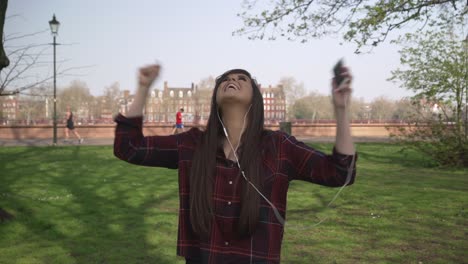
<point x="147" y="75"/>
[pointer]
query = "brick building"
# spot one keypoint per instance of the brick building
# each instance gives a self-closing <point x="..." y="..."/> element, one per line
<point x="162" y="105"/>
<point x="9" y="109"/>
<point x="274" y="103"/>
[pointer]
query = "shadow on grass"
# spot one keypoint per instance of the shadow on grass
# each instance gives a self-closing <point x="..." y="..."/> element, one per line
<point x="107" y="219"/>
<point x="384" y="153"/>
<point x="320" y="205"/>
<point x="378" y="153"/>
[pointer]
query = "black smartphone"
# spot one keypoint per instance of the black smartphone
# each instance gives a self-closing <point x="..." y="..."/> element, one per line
<point x="337" y="71"/>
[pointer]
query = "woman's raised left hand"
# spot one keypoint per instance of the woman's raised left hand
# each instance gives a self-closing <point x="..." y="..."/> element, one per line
<point x="342" y="94"/>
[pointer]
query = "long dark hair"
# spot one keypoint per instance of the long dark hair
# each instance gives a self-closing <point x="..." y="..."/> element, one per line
<point x="204" y="165"/>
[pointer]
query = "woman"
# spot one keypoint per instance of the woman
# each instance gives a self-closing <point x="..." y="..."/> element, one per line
<point x="70" y="126"/>
<point x="234" y="176"/>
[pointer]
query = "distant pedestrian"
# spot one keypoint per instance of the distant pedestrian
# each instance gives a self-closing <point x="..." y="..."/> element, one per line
<point x="179" y="126"/>
<point x="71" y="126"/>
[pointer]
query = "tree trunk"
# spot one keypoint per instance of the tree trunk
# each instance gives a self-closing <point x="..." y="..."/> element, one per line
<point x="4" y="62"/>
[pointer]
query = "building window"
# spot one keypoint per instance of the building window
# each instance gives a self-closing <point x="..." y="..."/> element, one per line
<point x="171" y="93"/>
<point x="181" y="94"/>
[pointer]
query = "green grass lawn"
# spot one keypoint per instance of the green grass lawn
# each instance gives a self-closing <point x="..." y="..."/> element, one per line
<point x="79" y="204"/>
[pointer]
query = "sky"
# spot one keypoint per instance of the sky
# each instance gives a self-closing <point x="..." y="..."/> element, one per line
<point x="191" y="40"/>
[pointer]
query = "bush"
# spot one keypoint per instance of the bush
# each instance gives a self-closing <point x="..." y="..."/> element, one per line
<point x="445" y="142"/>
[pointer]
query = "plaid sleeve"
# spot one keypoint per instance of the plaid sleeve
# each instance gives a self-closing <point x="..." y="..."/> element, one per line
<point x="130" y="145"/>
<point x="305" y="163"/>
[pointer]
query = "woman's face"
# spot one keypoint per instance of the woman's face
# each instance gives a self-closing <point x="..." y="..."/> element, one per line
<point x="235" y="88"/>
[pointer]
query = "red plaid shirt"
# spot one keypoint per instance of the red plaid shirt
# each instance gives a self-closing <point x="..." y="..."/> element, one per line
<point x="284" y="159"/>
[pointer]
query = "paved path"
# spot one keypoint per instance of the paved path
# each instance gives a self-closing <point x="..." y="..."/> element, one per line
<point x="60" y="142"/>
<point x="110" y="141"/>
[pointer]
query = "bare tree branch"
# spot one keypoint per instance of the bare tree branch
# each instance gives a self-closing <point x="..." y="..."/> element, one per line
<point x="64" y="72"/>
<point x="28" y="64"/>
<point x="12" y="36"/>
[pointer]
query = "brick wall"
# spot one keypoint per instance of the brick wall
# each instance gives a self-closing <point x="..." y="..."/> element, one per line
<point x="107" y="131"/>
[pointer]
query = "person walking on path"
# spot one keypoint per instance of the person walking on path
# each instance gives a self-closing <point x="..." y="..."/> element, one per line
<point x="179" y="126"/>
<point x="70" y="126"/>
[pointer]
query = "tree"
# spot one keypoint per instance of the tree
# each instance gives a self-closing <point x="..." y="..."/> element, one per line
<point x="4" y="61"/>
<point x="25" y="64"/>
<point x="22" y="73"/>
<point x="316" y="106"/>
<point x="405" y="110"/>
<point x="202" y="99"/>
<point x="301" y="109"/>
<point x="292" y="91"/>
<point x="36" y="104"/>
<point x="435" y="68"/>
<point x="207" y="83"/>
<point x="382" y="108"/>
<point x="364" y="22"/>
<point x="313" y="107"/>
<point x="78" y="97"/>
<point x="359" y="109"/>
<point x="112" y="96"/>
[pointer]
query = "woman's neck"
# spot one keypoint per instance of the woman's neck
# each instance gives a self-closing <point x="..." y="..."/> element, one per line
<point x="235" y="121"/>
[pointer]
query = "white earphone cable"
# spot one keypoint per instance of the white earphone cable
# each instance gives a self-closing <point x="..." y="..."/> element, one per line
<point x="275" y="210"/>
<point x="348" y="176"/>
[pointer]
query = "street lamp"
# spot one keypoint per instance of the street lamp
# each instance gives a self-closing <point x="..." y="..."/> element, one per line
<point x="368" y="112"/>
<point x="466" y="88"/>
<point x="54" y="26"/>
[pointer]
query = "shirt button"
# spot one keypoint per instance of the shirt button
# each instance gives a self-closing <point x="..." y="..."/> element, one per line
<point x="229" y="203"/>
<point x="226" y="243"/>
<point x="230" y="182"/>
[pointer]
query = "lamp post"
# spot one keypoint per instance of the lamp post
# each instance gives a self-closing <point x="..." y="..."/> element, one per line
<point x="368" y="112"/>
<point x="465" y="44"/>
<point x="54" y="26"/>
